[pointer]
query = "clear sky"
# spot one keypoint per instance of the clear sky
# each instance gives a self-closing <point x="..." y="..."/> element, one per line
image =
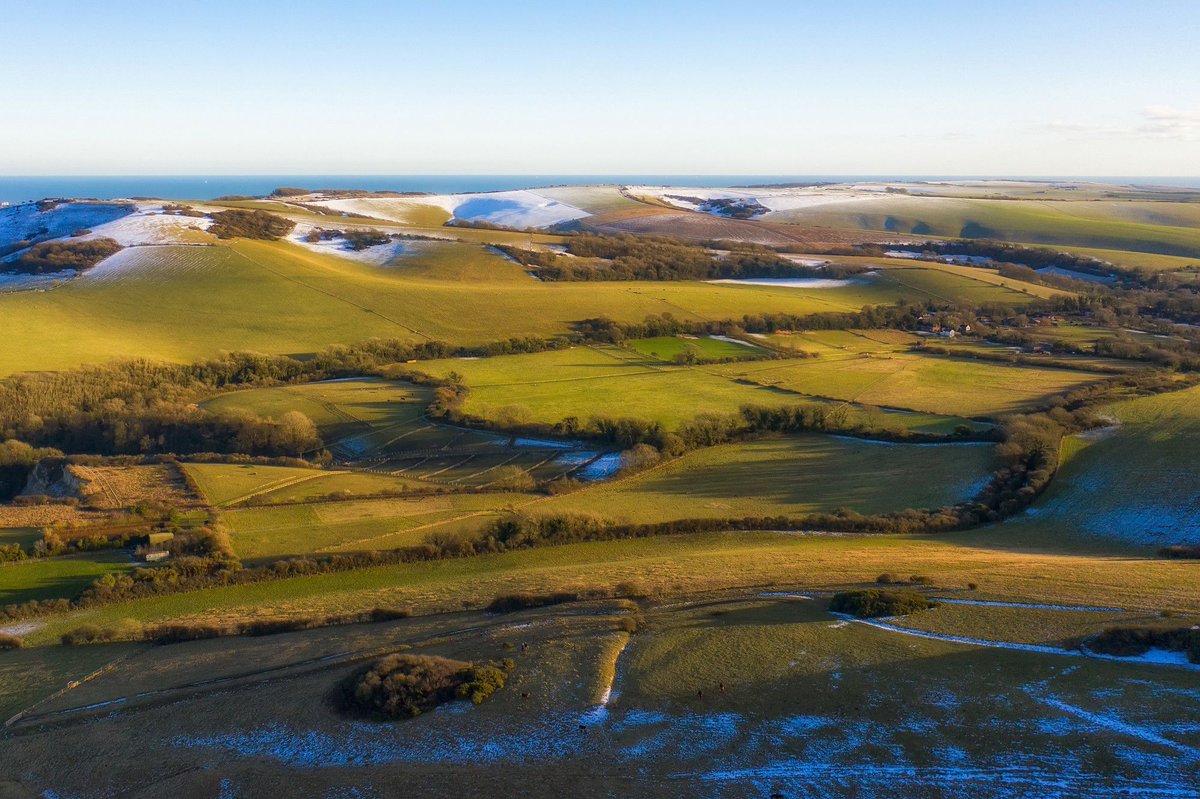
<point x="1045" y="87"/>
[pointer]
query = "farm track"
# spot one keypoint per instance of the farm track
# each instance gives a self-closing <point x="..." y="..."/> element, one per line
<point x="276" y="486"/>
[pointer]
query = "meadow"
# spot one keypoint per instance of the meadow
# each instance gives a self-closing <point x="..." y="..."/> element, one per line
<point x="1147" y="227"/>
<point x="725" y="692"/>
<point x="303" y="301"/>
<point x="1132" y="484"/>
<point x="790" y="475"/>
<point x="600" y="380"/>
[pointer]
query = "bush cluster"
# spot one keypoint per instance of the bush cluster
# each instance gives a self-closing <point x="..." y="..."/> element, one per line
<point x="242" y="224"/>
<point x="873" y="604"/>
<point x="56" y="256"/>
<point x="404" y="686"/>
<point x="1133" y="640"/>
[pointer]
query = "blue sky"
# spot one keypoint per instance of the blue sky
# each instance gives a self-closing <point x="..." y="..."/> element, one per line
<point x="852" y="87"/>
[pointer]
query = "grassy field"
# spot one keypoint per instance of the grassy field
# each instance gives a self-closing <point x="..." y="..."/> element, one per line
<point x="691" y="564"/>
<point x="666" y="348"/>
<point x="228" y="484"/>
<point x="266" y="532"/>
<point x="790" y="475"/>
<point x="459" y="292"/>
<point x="586" y="381"/>
<point x="1134" y="484"/>
<point x="1160" y="228"/>
<point x="720" y="694"/>
<point x="63" y="576"/>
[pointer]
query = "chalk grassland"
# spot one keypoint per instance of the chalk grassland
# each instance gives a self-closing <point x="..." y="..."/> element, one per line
<point x="339" y="408"/>
<point x="727" y="694"/>
<point x="183" y="303"/>
<point x="790" y="475"/>
<point x="1162" y="228"/>
<point x="587" y="381"/>
<point x="264" y="532"/>
<point x="1135" y="484"/>
<point x="1140" y="260"/>
<point x="690" y="564"/>
<point x="1038" y="626"/>
<point x="917" y="382"/>
<point x="666" y="348"/>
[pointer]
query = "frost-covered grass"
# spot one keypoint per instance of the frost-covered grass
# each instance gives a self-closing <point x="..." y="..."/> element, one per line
<point x="734" y="696"/>
<point x="519" y="209"/>
<point x="26" y="223"/>
<point x="1136" y="486"/>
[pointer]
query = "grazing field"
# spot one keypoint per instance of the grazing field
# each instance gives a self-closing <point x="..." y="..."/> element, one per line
<point x="132" y="306"/>
<point x="666" y="348"/>
<point x="267" y="532"/>
<point x="728" y="693"/>
<point x="692" y="563"/>
<point x="1139" y="227"/>
<point x="63" y="576"/>
<point x="228" y="484"/>
<point x="915" y="382"/>
<point x="1135" y="484"/>
<point x="587" y="381"/>
<point x="790" y="475"/>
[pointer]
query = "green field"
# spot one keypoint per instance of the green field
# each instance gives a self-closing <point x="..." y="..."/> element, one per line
<point x="790" y="475"/>
<point x="1151" y="227"/>
<point x="267" y="532"/>
<point x="305" y="301"/>
<point x="691" y="564"/>
<point x="586" y="381"/>
<point x="666" y="348"/>
<point x="63" y="576"/>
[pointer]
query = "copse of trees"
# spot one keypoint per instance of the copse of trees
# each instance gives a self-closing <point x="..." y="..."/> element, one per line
<point x="626" y="257"/>
<point x="56" y="256"/>
<point x="238" y="223"/>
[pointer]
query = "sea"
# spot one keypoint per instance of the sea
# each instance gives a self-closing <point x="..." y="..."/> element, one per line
<point x="207" y="187"/>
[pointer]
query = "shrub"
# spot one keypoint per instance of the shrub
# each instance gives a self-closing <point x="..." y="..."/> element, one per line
<point x="509" y="603"/>
<point x="873" y="604"/>
<point x="362" y="239"/>
<point x="55" y="256"/>
<point x="86" y="634"/>
<point x="389" y="614"/>
<point x="1134" y="641"/>
<point x="249" y="225"/>
<point x="179" y="632"/>
<point x="403" y="686"/>
<point x="887" y="578"/>
<point x="10" y="641"/>
<point x="513" y="478"/>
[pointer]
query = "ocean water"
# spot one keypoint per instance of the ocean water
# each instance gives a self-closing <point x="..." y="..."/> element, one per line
<point x="207" y="187"/>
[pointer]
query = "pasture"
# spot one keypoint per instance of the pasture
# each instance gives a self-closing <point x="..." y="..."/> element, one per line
<point x="731" y="691"/>
<point x="278" y="297"/>
<point x="588" y="381"/>
<point x="1132" y="485"/>
<point x="790" y="475"/>
<point x="1150" y="227"/>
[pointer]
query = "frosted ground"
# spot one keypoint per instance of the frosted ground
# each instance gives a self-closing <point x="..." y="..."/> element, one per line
<point x="519" y="209"/>
<point x="774" y="200"/>
<point x="823" y="709"/>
